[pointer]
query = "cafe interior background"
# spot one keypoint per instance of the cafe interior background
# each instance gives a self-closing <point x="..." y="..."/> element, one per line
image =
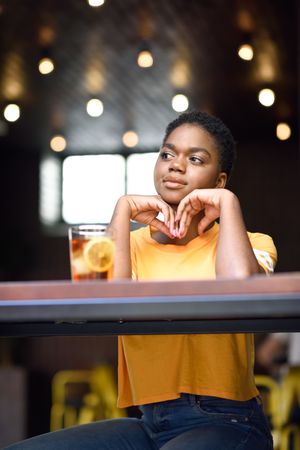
<point x="86" y="90"/>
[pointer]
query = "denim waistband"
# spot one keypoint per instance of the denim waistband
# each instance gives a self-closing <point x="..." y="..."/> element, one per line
<point x="210" y="397"/>
<point x="202" y="398"/>
<point x="192" y="399"/>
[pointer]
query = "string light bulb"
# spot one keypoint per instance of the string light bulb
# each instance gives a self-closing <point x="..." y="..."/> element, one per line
<point x="180" y="103"/>
<point x="145" y="59"/>
<point x="266" y="97"/>
<point x="94" y="107"/>
<point x="283" y="131"/>
<point x="130" y="139"/>
<point x="46" y="66"/>
<point x="96" y="3"/>
<point x="58" y="143"/>
<point x="246" y="52"/>
<point x="12" y="112"/>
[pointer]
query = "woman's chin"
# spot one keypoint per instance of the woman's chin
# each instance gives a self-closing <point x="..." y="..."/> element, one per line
<point x="171" y="199"/>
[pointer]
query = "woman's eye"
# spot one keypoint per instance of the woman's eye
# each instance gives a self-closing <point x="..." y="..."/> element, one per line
<point x="196" y="160"/>
<point x="165" y="155"/>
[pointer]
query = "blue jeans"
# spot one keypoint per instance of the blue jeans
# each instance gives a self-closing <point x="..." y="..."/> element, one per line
<point x="191" y="422"/>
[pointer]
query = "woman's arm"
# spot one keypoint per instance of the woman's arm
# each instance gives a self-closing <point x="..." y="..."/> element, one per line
<point x="235" y="257"/>
<point x="120" y="229"/>
<point x="142" y="209"/>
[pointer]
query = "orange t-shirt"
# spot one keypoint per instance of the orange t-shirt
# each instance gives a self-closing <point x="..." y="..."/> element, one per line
<point x="154" y="368"/>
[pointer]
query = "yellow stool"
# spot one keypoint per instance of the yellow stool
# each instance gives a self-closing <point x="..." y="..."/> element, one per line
<point x="279" y="401"/>
<point x="290" y="397"/>
<point x="83" y="396"/>
<point x="271" y="398"/>
<point x="63" y="414"/>
<point x="290" y="438"/>
<point x="290" y="387"/>
<point x="101" y="402"/>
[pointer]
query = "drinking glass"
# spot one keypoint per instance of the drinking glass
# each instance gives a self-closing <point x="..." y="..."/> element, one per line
<point x="91" y="252"/>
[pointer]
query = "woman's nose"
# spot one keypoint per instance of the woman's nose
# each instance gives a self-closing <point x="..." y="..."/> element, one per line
<point x="177" y="165"/>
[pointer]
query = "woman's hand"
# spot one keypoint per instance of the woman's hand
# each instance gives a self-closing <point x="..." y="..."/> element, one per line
<point x="235" y="257"/>
<point x="144" y="209"/>
<point x="206" y="201"/>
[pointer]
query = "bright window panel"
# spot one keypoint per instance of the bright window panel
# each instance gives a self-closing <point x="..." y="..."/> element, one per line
<point x="50" y="191"/>
<point x="140" y="168"/>
<point x="91" y="186"/>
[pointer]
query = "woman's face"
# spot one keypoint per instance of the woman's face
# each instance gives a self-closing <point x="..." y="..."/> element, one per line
<point x="188" y="160"/>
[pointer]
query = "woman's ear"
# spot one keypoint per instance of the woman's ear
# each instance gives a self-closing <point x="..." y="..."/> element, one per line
<point x="221" y="180"/>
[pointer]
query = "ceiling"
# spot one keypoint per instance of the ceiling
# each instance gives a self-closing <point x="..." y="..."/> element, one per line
<point x="194" y="44"/>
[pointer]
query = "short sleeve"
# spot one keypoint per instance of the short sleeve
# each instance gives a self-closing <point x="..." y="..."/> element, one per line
<point x="264" y="250"/>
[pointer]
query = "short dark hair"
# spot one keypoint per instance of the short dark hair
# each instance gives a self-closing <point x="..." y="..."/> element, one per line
<point x="216" y="128"/>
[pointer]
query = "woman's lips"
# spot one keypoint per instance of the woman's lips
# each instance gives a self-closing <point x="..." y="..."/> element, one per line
<point x="173" y="183"/>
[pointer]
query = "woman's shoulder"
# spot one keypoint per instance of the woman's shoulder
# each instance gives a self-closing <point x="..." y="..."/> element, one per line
<point x="264" y="249"/>
<point x="261" y="239"/>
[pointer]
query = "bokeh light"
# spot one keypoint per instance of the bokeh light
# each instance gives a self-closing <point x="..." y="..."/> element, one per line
<point x="283" y="131"/>
<point x="96" y="3"/>
<point x="12" y="112"/>
<point x="94" y="107"/>
<point x="266" y="97"/>
<point x="180" y="103"/>
<point x="245" y="52"/>
<point x="58" y="143"/>
<point x="145" y="59"/>
<point x="130" y="139"/>
<point x="46" y="66"/>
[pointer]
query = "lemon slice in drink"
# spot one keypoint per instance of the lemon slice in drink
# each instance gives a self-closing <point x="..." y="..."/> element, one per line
<point x="99" y="253"/>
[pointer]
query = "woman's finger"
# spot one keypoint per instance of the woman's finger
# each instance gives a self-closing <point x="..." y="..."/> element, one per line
<point x="168" y="214"/>
<point x="184" y="223"/>
<point x="204" y="223"/>
<point x="190" y="203"/>
<point x="172" y="225"/>
<point x="161" y="227"/>
<point x="182" y="205"/>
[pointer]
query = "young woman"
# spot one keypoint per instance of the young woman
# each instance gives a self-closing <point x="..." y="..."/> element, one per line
<point x="195" y="392"/>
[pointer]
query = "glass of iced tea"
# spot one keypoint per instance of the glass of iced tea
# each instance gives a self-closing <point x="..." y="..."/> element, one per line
<point x="91" y="252"/>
